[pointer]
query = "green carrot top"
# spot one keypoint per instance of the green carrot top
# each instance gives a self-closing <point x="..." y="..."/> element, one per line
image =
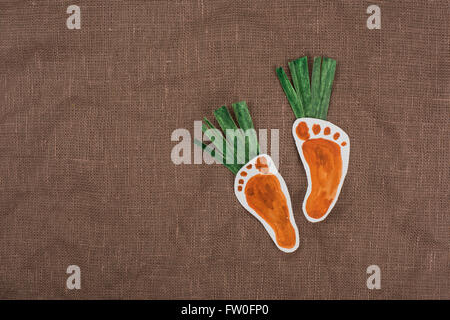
<point x="309" y="99"/>
<point x="238" y="145"/>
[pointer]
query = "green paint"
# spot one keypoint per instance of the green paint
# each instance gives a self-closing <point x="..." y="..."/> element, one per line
<point x="309" y="98"/>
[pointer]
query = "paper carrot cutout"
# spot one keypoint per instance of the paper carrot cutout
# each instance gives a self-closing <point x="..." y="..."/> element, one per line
<point x="258" y="186"/>
<point x="324" y="148"/>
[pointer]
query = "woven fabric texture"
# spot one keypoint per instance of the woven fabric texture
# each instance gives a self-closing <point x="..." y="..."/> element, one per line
<point x="86" y="176"/>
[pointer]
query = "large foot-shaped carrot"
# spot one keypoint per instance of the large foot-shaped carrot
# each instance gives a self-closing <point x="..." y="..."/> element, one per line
<point x="324" y="149"/>
<point x="262" y="191"/>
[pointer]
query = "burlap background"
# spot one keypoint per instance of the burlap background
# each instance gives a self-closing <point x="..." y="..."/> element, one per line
<point x="86" y="177"/>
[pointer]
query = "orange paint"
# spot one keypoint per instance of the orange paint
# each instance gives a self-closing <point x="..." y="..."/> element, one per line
<point x="336" y="136"/>
<point x="249" y="166"/>
<point x="343" y="143"/>
<point x="325" y="166"/>
<point x="316" y="128"/>
<point x="261" y="165"/>
<point x="241" y="181"/>
<point x="243" y="173"/>
<point x="302" y="131"/>
<point x="264" y="195"/>
<point x="326" y="131"/>
<point x="239" y="188"/>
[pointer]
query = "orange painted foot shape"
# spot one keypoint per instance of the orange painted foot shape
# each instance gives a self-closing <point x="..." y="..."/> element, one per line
<point x="324" y="149"/>
<point x="262" y="191"/>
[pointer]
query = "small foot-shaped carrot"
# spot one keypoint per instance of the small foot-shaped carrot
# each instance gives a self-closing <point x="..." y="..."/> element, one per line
<point x="324" y="149"/>
<point x="262" y="191"/>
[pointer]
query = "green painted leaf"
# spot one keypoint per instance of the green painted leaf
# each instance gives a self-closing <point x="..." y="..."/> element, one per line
<point x="246" y="123"/>
<point x="291" y="94"/>
<point x="326" y="83"/>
